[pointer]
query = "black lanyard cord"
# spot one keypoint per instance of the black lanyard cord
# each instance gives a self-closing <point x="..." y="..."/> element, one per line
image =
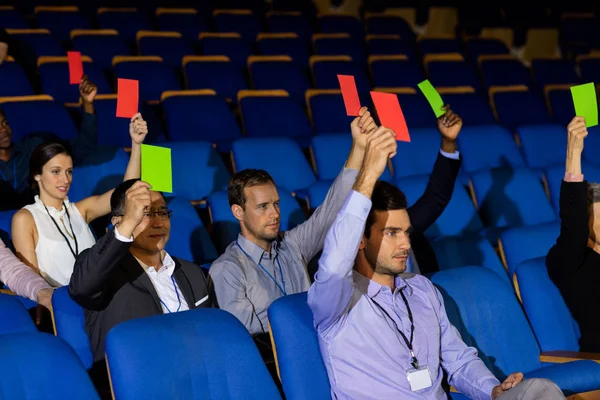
<point x="61" y="232"/>
<point x="409" y="343"/>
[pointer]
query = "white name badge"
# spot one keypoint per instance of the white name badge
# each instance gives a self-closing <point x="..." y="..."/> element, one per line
<point x="419" y="378"/>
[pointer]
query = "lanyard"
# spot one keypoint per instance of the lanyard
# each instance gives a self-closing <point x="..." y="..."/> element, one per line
<point x="281" y="289"/>
<point x="409" y="343"/>
<point x="14" y="176"/>
<point x="61" y="232"/>
<point x="178" y="298"/>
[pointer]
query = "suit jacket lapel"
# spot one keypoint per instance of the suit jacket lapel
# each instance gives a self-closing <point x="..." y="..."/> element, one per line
<point x="184" y="285"/>
<point x="141" y="279"/>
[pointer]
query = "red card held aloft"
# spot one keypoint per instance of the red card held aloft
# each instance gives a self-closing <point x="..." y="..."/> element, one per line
<point x="75" y="67"/>
<point x="127" y="97"/>
<point x="390" y="114"/>
<point x="350" y="94"/>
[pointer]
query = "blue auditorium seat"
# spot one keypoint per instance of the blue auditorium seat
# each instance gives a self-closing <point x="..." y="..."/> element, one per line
<point x="526" y="242"/>
<point x="333" y="23"/>
<point x="126" y="21"/>
<point x="417" y="111"/>
<point x="438" y="46"/>
<point x="556" y="330"/>
<point x="395" y="71"/>
<point x="459" y="216"/>
<point x="278" y="72"/>
<point x="154" y="76"/>
<point x="69" y="324"/>
<point x="389" y="25"/>
<point x="61" y="21"/>
<point x="214" y="72"/>
<point x="378" y="45"/>
<point x="485" y="147"/>
<point x="188" y="21"/>
<point x="561" y="105"/>
<point x="418" y="156"/>
<point x="14" y="81"/>
<point x="516" y="108"/>
<point x="244" y="22"/>
<point x="51" y="118"/>
<point x="14" y="316"/>
<point x="59" y="374"/>
<point x="11" y="18"/>
<point x="473" y="108"/>
<point x="170" y="46"/>
<point x="335" y="44"/>
<point x="546" y="72"/>
<point x="228" y="44"/>
<point x="511" y="197"/>
<point x="221" y="348"/>
<point x="54" y="78"/>
<point x="101" y="45"/>
<point x="453" y="73"/>
<point x="325" y="70"/>
<point x="488" y="317"/>
<point x="543" y="145"/>
<point x="198" y="170"/>
<point x="481" y="46"/>
<point x="503" y="72"/>
<point x="201" y="117"/>
<point x="328" y="111"/>
<point x="290" y="21"/>
<point x="289" y="44"/>
<point x="189" y="239"/>
<point x="282" y="157"/>
<point x="590" y="69"/>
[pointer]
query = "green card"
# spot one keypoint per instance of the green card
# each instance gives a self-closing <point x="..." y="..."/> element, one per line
<point x="586" y="106"/>
<point x="433" y="97"/>
<point x="156" y="168"/>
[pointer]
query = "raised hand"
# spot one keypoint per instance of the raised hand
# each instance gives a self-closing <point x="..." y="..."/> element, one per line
<point x="137" y="202"/>
<point x="577" y="132"/>
<point x="87" y="90"/>
<point x="361" y="127"/>
<point x="138" y="129"/>
<point x="449" y="124"/>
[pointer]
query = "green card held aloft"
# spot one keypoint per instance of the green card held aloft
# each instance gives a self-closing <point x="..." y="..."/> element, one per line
<point x="433" y="97"/>
<point x="156" y="168"/>
<point x="586" y="105"/>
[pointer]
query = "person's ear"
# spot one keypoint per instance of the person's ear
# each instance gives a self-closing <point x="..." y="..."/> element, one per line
<point x="37" y="178"/>
<point x="361" y="245"/>
<point x="115" y="221"/>
<point x="238" y="212"/>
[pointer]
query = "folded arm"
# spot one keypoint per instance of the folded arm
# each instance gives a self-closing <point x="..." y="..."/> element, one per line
<point x="19" y="278"/>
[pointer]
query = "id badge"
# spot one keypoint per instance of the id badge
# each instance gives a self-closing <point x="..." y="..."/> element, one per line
<point x="419" y="378"/>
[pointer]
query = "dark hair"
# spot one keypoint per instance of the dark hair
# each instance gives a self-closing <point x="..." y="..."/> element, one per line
<point x="385" y="197"/>
<point x="117" y="198"/>
<point x="244" y="179"/>
<point x="2" y="113"/>
<point x="43" y="153"/>
<point x="593" y="193"/>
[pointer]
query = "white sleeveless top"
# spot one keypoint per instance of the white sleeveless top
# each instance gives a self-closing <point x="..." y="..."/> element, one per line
<point x="55" y="258"/>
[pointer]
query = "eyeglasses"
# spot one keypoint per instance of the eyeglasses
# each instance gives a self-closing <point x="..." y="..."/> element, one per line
<point x="162" y="214"/>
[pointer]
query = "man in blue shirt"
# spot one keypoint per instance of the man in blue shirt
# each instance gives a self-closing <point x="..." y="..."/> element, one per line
<point x="384" y="334"/>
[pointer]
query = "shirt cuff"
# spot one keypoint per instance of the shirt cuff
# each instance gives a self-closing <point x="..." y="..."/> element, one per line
<point x="569" y="177"/>
<point x="489" y="385"/>
<point x="357" y="204"/>
<point x="121" y="237"/>
<point x="454" y="156"/>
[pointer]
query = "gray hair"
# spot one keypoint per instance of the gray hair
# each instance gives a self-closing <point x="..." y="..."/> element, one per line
<point x="593" y="193"/>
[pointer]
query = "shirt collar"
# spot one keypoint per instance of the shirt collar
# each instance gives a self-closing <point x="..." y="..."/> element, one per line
<point x="167" y="263"/>
<point x="372" y="288"/>
<point x="254" y="251"/>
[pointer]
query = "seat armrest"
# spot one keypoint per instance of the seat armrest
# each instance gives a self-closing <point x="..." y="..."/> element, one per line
<point x="561" y="356"/>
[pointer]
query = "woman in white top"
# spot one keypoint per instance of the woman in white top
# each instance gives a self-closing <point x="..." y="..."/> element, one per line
<point x="50" y="233"/>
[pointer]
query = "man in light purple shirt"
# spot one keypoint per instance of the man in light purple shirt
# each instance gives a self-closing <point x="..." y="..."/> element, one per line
<point x="384" y="334"/>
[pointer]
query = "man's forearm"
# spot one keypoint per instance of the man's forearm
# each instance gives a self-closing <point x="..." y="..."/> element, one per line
<point x="355" y="158"/>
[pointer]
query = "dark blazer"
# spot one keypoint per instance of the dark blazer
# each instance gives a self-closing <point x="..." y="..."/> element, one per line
<point x="424" y="212"/>
<point x="574" y="267"/>
<point x="111" y="286"/>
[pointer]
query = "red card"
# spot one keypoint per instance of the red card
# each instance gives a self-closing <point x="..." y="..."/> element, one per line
<point x="350" y="94"/>
<point x="390" y="114"/>
<point x="127" y="97"/>
<point x="75" y="67"/>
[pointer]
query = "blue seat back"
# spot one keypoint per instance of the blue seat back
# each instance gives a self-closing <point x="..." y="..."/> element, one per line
<point x="59" y="374"/>
<point x="14" y="80"/>
<point x="485" y="147"/>
<point x="201" y="354"/>
<point x="62" y="23"/>
<point x="301" y="366"/>
<point x="154" y="77"/>
<point x="543" y="145"/>
<point x="14" y="316"/>
<point x="224" y="77"/>
<point x="189" y="238"/>
<point x="489" y="317"/>
<point x="473" y="108"/>
<point x="69" y="325"/>
<point x="459" y="216"/>
<point x="508" y="198"/>
<point x="101" y="48"/>
<point x="556" y="330"/>
<point x="521" y="108"/>
<point x="51" y="118"/>
<point x="418" y="156"/>
<point x="54" y="77"/>
<point x="527" y="242"/>
<point x="281" y="157"/>
<point x="127" y="23"/>
<point x="329" y="113"/>
<point x="171" y="49"/>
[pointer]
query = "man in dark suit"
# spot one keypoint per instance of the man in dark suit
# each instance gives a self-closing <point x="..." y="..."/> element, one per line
<point x="127" y="274"/>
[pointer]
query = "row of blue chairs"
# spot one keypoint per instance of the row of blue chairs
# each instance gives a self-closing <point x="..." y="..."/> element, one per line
<point x="482" y="307"/>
